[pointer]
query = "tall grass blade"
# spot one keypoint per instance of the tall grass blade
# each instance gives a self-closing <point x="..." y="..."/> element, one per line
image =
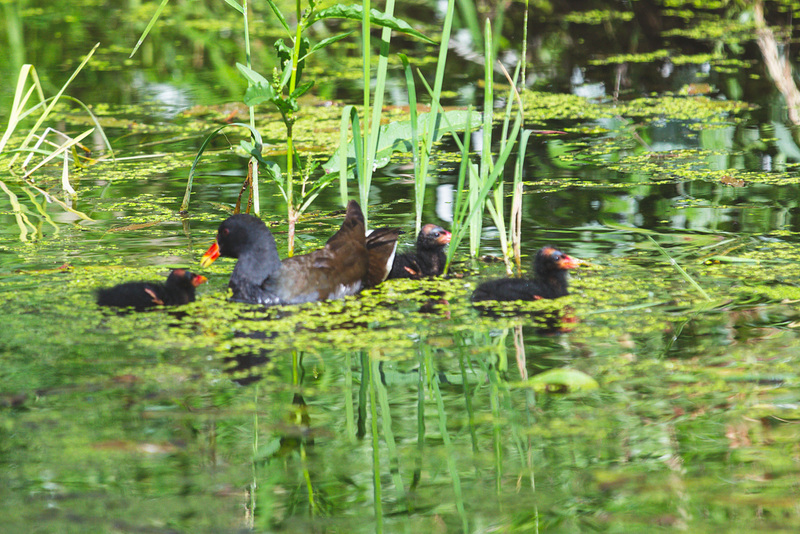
<point x="458" y="218"/>
<point x="54" y="101"/>
<point x="377" y="109"/>
<point x="149" y="26"/>
<point x="350" y="425"/>
<point x="678" y="268"/>
<point x="63" y="148"/>
<point x="515" y="225"/>
<point x="419" y="178"/>
<point x="486" y="163"/>
<point x="349" y="120"/>
<point x="366" y="57"/>
<point x="206" y="141"/>
<point x="433" y="118"/>
<point x="20" y="100"/>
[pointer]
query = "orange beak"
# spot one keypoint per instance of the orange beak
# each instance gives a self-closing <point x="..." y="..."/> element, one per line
<point x="444" y="238"/>
<point x="568" y="262"/>
<point x="199" y="279"/>
<point x="211" y="254"/>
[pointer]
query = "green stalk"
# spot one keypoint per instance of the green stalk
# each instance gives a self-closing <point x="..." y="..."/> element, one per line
<point x="419" y="179"/>
<point x="377" y="108"/>
<point x="421" y="174"/>
<point x="496" y="205"/>
<point x="253" y="163"/>
<point x="289" y="119"/>
<point x="457" y="228"/>
<point x="486" y="166"/>
<point x="366" y="173"/>
<point x="421" y="375"/>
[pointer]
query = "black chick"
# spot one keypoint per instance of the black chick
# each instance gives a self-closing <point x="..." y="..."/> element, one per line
<point x="178" y="289"/>
<point x="429" y="257"/>
<point x="549" y="282"/>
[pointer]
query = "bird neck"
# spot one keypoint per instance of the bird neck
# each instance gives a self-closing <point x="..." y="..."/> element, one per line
<point x="257" y="264"/>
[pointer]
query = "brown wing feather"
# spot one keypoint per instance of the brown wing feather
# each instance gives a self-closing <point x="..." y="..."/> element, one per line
<point x="381" y="245"/>
<point x="335" y="270"/>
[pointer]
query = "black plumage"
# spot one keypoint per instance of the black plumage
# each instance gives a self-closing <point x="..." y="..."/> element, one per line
<point x="428" y="259"/>
<point x="178" y="289"/>
<point x="549" y="282"/>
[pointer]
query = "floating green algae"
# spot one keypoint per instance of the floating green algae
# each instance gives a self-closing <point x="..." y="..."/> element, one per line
<point x="597" y="16"/>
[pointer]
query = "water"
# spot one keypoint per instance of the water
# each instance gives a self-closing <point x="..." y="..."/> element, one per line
<point x="406" y="409"/>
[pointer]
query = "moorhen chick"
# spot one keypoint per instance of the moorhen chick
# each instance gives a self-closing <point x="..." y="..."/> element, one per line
<point x="347" y="263"/>
<point x="549" y="282"/>
<point x="429" y="258"/>
<point x="178" y="289"/>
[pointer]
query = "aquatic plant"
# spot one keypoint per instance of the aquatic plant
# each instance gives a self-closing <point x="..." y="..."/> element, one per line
<point x="36" y="143"/>
<point x="483" y="177"/>
<point x="283" y="91"/>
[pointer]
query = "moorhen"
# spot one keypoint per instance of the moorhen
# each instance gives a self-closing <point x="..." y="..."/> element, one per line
<point x="549" y="282"/>
<point x="178" y="289"/>
<point x="429" y="258"/>
<point x="347" y="263"/>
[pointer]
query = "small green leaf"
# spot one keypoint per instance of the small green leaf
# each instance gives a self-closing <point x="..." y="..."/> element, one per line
<point x="285" y="57"/>
<point x="325" y="42"/>
<point x="258" y="94"/>
<point x="252" y="150"/>
<point x="252" y="76"/>
<point x="303" y="89"/>
<point x="377" y="18"/>
<point x="285" y="105"/>
<point x="278" y="14"/>
<point x="396" y="137"/>
<point x="235" y="6"/>
<point x="564" y="380"/>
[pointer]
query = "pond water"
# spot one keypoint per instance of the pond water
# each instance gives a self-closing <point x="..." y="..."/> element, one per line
<point x="665" y="157"/>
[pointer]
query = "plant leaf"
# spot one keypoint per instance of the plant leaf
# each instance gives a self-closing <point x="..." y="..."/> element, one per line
<point x="235" y="6"/>
<point x="325" y="42"/>
<point x="278" y="14"/>
<point x="149" y="27"/>
<point x="257" y="94"/>
<point x="252" y="76"/>
<point x="303" y="89"/>
<point x="354" y="12"/>
<point x="396" y="137"/>
<point x="562" y="380"/>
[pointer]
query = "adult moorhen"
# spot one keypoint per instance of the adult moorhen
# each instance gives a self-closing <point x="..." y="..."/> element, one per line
<point x="429" y="258"/>
<point x="347" y="263"/>
<point x="550" y="281"/>
<point x="178" y="289"/>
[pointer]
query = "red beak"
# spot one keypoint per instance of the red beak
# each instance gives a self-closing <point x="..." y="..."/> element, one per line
<point x="211" y="254"/>
<point x="199" y="279"/>
<point x="568" y="262"/>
